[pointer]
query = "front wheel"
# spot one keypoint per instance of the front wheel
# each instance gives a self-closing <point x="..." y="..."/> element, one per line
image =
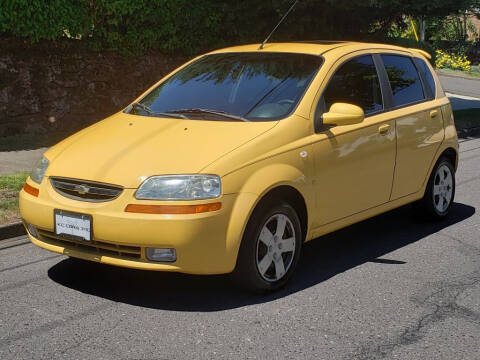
<point x="270" y="248"/>
<point x="440" y="192"/>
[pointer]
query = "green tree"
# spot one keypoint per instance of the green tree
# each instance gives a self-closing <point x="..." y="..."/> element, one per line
<point x="193" y="26"/>
<point x="423" y="10"/>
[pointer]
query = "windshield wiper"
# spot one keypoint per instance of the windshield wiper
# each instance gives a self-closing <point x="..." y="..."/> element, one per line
<point x="208" y="111"/>
<point x="153" y="113"/>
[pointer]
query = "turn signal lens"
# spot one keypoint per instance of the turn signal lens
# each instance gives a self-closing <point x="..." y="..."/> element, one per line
<point x="173" y="209"/>
<point x="31" y="190"/>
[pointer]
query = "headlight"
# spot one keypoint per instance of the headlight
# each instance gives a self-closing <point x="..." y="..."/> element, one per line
<point x="179" y="187"/>
<point x="39" y="170"/>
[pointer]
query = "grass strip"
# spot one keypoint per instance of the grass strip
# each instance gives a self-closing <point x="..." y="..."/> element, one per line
<point x="10" y="185"/>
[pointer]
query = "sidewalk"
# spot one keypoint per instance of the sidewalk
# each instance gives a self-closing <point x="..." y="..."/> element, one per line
<point x="15" y="161"/>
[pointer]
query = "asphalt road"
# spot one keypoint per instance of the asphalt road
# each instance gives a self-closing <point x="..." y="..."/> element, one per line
<point x="460" y="85"/>
<point x="392" y="287"/>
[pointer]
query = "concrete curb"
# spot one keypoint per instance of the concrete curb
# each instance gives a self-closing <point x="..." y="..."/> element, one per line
<point x="12" y="230"/>
<point x="464" y="97"/>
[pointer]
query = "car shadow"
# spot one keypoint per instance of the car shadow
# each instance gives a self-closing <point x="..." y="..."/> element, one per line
<point x="468" y="133"/>
<point x="463" y="104"/>
<point x="322" y="259"/>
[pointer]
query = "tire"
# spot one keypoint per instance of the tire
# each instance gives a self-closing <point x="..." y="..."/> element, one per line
<point x="440" y="191"/>
<point x="267" y="260"/>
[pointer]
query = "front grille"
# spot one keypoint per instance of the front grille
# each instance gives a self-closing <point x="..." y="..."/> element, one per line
<point x="85" y="190"/>
<point x="94" y="246"/>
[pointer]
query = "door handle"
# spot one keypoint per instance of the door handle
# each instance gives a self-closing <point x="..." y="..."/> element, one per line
<point x="433" y="113"/>
<point x="383" y="129"/>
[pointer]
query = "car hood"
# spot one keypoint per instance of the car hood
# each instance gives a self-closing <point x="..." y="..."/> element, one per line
<point x="124" y="149"/>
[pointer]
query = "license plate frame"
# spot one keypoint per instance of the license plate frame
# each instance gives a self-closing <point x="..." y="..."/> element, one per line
<point x="76" y="216"/>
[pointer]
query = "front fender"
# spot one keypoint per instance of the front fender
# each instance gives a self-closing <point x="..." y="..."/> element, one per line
<point x="252" y="184"/>
<point x="274" y="175"/>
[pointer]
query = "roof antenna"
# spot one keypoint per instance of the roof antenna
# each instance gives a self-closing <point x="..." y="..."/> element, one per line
<point x="275" y="28"/>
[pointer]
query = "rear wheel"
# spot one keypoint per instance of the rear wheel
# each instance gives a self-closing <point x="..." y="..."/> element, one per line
<point x="440" y="191"/>
<point x="270" y="247"/>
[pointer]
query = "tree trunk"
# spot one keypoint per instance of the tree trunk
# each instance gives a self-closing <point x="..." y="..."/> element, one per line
<point x="421" y="28"/>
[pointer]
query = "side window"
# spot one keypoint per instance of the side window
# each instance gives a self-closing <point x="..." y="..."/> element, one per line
<point x="356" y="82"/>
<point x="427" y="76"/>
<point x="404" y="79"/>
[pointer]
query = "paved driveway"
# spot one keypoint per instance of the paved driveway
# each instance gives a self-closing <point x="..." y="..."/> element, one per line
<point x="393" y="287"/>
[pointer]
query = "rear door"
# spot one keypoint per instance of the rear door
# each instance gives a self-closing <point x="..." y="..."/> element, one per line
<point x="419" y="123"/>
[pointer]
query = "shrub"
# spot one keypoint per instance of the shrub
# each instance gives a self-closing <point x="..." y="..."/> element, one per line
<point x="153" y="24"/>
<point x="44" y="19"/>
<point x="451" y="61"/>
<point x="126" y="25"/>
<point x="185" y="26"/>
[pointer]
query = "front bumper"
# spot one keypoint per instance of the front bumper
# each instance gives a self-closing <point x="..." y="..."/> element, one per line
<point x="120" y="238"/>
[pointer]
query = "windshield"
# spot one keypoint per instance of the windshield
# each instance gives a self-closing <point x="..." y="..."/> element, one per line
<point x="253" y="86"/>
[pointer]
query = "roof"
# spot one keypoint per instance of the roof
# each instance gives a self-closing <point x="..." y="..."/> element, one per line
<point x="319" y="47"/>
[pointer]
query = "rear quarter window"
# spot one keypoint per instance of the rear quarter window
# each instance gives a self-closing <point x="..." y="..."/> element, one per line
<point x="427" y="76"/>
<point x="404" y="80"/>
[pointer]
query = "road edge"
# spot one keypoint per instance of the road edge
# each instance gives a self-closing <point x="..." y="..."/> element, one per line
<point x="12" y="230"/>
<point x="462" y="76"/>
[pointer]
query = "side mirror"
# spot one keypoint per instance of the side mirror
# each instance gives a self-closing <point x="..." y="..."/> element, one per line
<point x="343" y="114"/>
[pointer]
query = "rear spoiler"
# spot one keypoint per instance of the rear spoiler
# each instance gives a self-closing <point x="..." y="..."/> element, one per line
<point x="423" y="52"/>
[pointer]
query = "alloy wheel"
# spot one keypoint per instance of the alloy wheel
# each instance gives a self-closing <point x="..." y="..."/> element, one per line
<point x="442" y="188"/>
<point x="275" y="247"/>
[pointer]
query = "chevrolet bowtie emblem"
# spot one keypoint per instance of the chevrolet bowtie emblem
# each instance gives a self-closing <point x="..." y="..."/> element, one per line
<point x="81" y="189"/>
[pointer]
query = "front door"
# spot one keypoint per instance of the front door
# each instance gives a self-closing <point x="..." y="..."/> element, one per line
<point x="354" y="164"/>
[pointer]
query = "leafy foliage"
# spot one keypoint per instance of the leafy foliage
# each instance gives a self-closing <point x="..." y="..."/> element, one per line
<point x="455" y="28"/>
<point x="452" y="61"/>
<point x="418" y="8"/>
<point x="152" y="24"/>
<point x="117" y="25"/>
<point x="190" y="26"/>
<point x="43" y="19"/>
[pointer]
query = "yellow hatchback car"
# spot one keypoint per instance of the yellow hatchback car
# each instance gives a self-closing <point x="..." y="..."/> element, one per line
<point x="234" y="160"/>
